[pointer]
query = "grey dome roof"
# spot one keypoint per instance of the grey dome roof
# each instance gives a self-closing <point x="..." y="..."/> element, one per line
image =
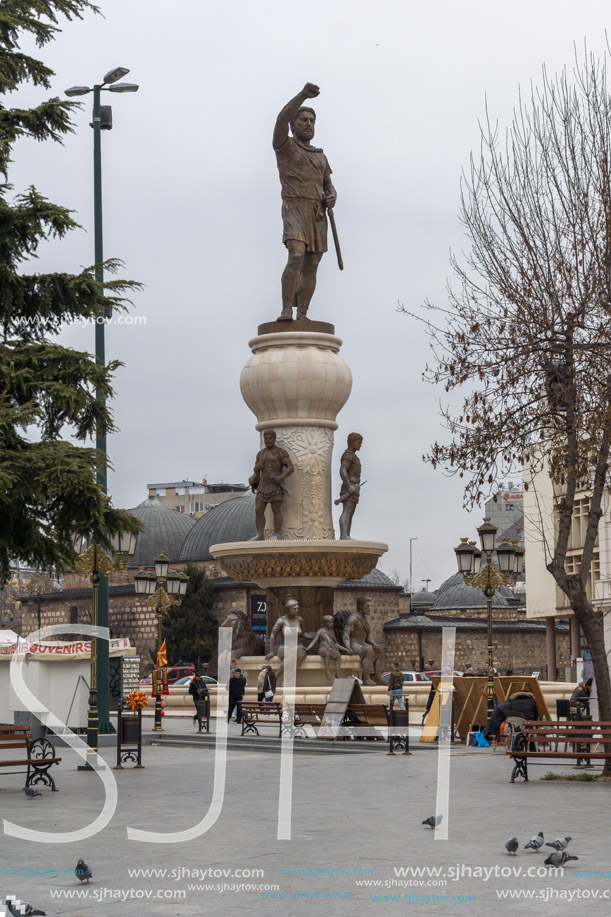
<point x="375" y="580"/>
<point x="165" y="530"/>
<point x="423" y="599"/>
<point x="233" y="520"/>
<point x="455" y="594"/>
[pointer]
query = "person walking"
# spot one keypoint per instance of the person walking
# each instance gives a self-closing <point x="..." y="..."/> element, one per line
<point x="395" y="686"/>
<point x="199" y="692"/>
<point x="269" y="685"/>
<point x="237" y="686"/>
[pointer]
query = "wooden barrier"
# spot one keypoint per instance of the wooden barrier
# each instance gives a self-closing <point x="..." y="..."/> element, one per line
<point x="470" y="702"/>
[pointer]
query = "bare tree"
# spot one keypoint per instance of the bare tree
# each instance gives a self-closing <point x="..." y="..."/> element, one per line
<point x="398" y="579"/>
<point x="527" y="331"/>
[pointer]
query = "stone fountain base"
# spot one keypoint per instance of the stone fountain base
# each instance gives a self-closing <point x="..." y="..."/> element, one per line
<point x="298" y="563"/>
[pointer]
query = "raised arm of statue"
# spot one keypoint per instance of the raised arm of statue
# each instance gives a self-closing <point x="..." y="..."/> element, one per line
<point x="281" y="130"/>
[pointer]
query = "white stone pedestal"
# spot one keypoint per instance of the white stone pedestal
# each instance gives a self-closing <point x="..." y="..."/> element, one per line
<point x="296" y="383"/>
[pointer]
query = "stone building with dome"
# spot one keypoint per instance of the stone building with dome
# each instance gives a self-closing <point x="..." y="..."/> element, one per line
<point x="187" y="541"/>
<point x="414" y="638"/>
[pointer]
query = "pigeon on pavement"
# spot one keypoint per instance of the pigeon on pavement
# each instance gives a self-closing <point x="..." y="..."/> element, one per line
<point x="31" y="793"/>
<point x="20" y="908"/>
<point x="561" y="843"/>
<point x="433" y="821"/>
<point x="512" y="845"/>
<point x="559" y="858"/>
<point x="535" y="842"/>
<point x="83" y="872"/>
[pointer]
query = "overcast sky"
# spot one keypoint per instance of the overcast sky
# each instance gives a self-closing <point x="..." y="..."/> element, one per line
<point x="192" y="206"/>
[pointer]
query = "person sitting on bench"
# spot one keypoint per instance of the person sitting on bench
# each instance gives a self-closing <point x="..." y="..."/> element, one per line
<point x="580" y="698"/>
<point x="522" y="703"/>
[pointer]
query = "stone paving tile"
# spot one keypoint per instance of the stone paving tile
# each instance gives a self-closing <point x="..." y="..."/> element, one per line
<point x="349" y="812"/>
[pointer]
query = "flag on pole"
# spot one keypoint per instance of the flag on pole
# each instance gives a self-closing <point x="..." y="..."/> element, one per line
<point x="162" y="656"/>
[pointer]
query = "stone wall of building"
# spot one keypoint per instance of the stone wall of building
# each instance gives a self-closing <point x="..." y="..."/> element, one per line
<point x="521" y="652"/>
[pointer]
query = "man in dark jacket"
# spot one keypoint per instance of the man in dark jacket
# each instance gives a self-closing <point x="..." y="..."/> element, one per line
<point x="522" y="702"/>
<point x="198" y="691"/>
<point x="237" y="685"/>
<point x="580" y="698"/>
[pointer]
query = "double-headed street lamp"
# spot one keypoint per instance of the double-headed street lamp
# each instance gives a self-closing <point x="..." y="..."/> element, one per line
<point x="482" y="575"/>
<point x="102" y="120"/>
<point x="96" y="563"/>
<point x="152" y="585"/>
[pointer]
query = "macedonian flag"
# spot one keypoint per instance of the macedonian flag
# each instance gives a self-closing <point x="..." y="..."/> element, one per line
<point x="162" y="656"/>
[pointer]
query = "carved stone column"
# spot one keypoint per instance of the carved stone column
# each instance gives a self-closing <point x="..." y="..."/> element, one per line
<point x="296" y="383"/>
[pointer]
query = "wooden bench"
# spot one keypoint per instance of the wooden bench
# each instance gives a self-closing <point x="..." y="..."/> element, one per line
<point x="366" y="715"/>
<point x="261" y="714"/>
<point x="583" y="735"/>
<point x="309" y="715"/>
<point x="39" y="755"/>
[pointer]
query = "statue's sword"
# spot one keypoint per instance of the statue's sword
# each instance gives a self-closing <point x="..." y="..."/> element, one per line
<point x="338" y="250"/>
<point x="348" y="494"/>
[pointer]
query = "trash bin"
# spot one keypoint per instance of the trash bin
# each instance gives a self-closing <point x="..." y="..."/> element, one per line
<point x="29" y="719"/>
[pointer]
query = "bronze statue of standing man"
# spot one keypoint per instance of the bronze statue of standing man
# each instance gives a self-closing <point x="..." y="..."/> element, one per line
<point x="272" y="466"/>
<point x="350" y="473"/>
<point x="305" y="177"/>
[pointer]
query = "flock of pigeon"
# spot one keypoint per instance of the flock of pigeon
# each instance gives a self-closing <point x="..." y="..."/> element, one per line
<point x="558" y="858"/>
<point x="19" y="908"/>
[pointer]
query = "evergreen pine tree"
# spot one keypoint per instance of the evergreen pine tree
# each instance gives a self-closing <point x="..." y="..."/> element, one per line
<point x="190" y="629"/>
<point x="48" y="485"/>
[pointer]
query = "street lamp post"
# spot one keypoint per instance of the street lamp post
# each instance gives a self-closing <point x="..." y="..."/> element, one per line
<point x="110" y="84"/>
<point x="160" y="598"/>
<point x="97" y="563"/>
<point x="484" y="576"/>
<point x="411" y="581"/>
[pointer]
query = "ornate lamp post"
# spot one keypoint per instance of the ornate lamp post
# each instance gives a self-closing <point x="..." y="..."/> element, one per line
<point x="152" y="585"/>
<point x="96" y="563"/>
<point x="101" y="120"/>
<point x="484" y="576"/>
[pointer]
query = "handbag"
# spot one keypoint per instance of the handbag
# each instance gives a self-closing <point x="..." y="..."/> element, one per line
<point x="269" y="694"/>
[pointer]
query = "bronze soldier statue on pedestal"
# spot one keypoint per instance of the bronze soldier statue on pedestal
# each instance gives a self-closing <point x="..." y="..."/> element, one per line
<point x="350" y="473"/>
<point x="272" y="466"/>
<point x="305" y="176"/>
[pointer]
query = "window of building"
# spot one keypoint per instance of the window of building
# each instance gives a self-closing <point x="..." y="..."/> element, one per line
<point x="179" y="509"/>
<point x="197" y="507"/>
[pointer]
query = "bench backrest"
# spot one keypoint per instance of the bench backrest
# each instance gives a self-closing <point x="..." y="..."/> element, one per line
<point x="14" y="737"/>
<point x="567" y="730"/>
<point x="260" y="709"/>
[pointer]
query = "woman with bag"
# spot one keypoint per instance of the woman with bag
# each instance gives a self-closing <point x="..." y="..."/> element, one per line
<point x="269" y="684"/>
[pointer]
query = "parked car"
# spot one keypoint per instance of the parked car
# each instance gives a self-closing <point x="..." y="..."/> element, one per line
<point x="409" y="676"/>
<point x="431" y="672"/>
<point x="207" y="680"/>
<point x="174" y="673"/>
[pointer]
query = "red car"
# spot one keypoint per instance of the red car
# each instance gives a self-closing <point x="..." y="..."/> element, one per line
<point x="174" y="673"/>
